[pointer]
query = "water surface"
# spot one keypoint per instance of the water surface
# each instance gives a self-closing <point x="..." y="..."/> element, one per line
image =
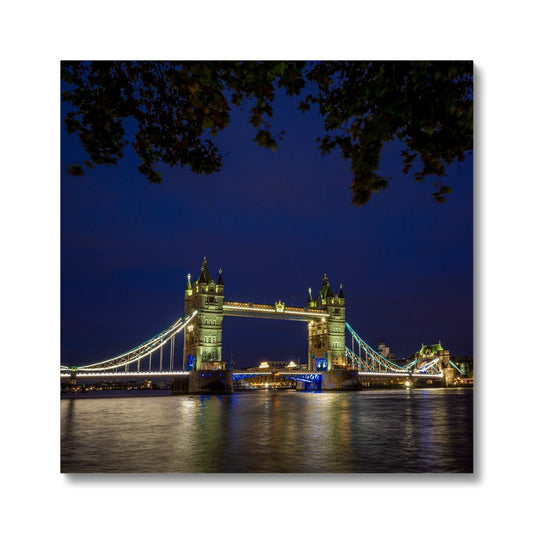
<point x="420" y="430"/>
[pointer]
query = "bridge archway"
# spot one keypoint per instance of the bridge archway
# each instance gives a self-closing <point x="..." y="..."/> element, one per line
<point x="324" y="315"/>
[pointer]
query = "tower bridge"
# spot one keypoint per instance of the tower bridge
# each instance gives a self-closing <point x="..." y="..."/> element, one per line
<point x="330" y="364"/>
<point x="325" y="316"/>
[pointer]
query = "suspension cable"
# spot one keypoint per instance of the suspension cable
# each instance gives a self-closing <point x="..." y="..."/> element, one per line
<point x="143" y="350"/>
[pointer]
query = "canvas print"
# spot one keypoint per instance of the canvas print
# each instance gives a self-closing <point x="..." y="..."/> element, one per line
<point x="267" y="267"/>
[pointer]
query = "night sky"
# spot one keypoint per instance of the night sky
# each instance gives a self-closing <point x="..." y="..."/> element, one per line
<point x="275" y="223"/>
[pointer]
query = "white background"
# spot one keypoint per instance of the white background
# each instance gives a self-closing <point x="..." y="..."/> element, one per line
<point x="35" y="36"/>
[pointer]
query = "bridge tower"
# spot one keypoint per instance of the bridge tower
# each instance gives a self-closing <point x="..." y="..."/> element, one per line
<point x="202" y="348"/>
<point x="326" y="335"/>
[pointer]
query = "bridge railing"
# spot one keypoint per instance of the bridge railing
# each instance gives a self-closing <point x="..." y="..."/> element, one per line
<point x="267" y="307"/>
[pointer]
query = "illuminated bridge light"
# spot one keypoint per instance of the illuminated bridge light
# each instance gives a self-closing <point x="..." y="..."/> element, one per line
<point x="386" y="374"/>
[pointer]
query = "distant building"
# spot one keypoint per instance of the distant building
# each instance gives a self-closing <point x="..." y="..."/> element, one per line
<point x="465" y="365"/>
<point x="432" y="351"/>
<point x="384" y="351"/>
<point x="273" y="366"/>
<point x="452" y="367"/>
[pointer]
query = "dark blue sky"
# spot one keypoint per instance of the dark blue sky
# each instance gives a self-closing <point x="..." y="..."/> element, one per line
<point x="275" y="223"/>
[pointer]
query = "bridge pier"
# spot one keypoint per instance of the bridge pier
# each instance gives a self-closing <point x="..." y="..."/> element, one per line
<point x="204" y="382"/>
<point x="449" y="376"/>
<point x="341" y="380"/>
<point x="333" y="380"/>
<point x="308" y="386"/>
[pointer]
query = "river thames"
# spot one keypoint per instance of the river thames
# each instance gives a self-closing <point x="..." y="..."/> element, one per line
<point x="417" y="430"/>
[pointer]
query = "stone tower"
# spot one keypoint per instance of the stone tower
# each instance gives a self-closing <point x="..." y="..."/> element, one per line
<point x="326" y="335"/>
<point x="202" y="348"/>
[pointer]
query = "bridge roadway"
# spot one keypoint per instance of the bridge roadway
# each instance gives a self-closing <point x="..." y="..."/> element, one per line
<point x="143" y="374"/>
<point x="221" y="381"/>
<point x="236" y="375"/>
<point x="277" y="311"/>
<point x="174" y="373"/>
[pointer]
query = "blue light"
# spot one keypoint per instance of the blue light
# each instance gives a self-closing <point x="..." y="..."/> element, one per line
<point x="321" y="364"/>
<point x="191" y="362"/>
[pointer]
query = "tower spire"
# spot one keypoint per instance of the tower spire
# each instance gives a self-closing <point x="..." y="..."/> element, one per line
<point x="204" y="277"/>
<point x="325" y="289"/>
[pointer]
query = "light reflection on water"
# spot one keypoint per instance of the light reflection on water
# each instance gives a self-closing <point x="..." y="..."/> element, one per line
<point x="368" y="431"/>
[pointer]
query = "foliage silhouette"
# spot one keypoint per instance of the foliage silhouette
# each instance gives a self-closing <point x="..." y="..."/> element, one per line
<point x="178" y="109"/>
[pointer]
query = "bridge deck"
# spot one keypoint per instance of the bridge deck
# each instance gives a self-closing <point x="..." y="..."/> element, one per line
<point x="277" y="311"/>
<point x="140" y="374"/>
